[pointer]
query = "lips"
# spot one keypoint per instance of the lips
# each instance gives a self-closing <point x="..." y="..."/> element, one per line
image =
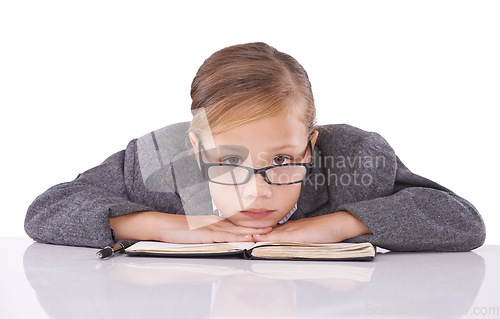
<point x="257" y="212"/>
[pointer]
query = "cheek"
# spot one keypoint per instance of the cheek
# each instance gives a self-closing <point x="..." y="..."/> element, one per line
<point x="225" y="197"/>
<point x="288" y="195"/>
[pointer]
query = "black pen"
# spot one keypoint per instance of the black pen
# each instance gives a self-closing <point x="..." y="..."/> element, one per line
<point x="117" y="248"/>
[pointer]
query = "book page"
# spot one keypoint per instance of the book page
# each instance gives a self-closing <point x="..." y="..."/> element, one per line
<point x="318" y="251"/>
<point x="335" y="246"/>
<point x="161" y="247"/>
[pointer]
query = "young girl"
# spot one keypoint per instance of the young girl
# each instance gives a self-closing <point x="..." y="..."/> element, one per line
<point x="252" y="166"/>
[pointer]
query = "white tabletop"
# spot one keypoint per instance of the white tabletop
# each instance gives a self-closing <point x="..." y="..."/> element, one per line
<point x="48" y="281"/>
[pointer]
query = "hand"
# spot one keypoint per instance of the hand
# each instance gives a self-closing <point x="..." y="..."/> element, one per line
<point x="330" y="228"/>
<point x="217" y="230"/>
<point x="175" y="228"/>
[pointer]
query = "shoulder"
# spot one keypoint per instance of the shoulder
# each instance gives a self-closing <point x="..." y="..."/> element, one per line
<point x="347" y="148"/>
<point x="161" y="145"/>
<point x="347" y="134"/>
<point x="150" y="156"/>
<point x="168" y="141"/>
<point x="335" y="138"/>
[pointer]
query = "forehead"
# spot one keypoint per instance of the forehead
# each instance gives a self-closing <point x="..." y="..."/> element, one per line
<point x="283" y="130"/>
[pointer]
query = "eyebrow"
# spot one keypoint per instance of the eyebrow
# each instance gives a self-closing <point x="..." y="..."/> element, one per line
<point x="227" y="148"/>
<point x="232" y="147"/>
<point x="285" y="146"/>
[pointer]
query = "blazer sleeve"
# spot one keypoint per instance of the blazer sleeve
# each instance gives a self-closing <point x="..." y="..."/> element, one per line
<point x="76" y="213"/>
<point x="419" y="215"/>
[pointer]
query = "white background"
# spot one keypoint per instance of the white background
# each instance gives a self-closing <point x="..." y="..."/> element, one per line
<point x="79" y="79"/>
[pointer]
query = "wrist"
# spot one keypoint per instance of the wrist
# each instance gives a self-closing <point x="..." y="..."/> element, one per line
<point x="151" y="225"/>
<point x="349" y="225"/>
<point x="161" y="224"/>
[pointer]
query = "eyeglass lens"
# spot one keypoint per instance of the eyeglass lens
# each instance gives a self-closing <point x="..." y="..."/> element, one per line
<point x="236" y="175"/>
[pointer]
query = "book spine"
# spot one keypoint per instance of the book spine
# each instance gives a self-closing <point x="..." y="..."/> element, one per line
<point x="247" y="254"/>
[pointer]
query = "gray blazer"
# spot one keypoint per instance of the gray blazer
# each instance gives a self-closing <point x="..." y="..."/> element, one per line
<point x="353" y="170"/>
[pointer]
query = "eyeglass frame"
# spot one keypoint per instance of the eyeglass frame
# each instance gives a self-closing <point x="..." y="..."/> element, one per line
<point x="253" y="171"/>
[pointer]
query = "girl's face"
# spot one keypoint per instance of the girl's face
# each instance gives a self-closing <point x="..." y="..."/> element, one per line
<point x="260" y="143"/>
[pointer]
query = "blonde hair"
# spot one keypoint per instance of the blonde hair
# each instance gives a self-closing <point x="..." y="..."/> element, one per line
<point x="246" y="82"/>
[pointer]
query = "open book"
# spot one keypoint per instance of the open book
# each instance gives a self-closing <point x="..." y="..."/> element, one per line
<point x="251" y="250"/>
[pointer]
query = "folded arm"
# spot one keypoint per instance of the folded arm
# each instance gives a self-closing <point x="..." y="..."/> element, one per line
<point x="76" y="213"/>
<point x="419" y="216"/>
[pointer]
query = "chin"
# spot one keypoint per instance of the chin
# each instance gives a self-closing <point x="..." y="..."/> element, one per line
<point x="255" y="223"/>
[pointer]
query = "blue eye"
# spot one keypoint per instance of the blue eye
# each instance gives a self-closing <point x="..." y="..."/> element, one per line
<point x="233" y="160"/>
<point x="281" y="159"/>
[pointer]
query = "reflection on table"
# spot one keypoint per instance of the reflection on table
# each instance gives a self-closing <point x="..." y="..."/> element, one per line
<point x="71" y="280"/>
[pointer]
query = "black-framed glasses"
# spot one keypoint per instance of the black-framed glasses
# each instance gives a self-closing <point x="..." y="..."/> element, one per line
<point x="234" y="174"/>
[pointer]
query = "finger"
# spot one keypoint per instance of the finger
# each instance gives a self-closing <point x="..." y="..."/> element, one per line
<point x="240" y="230"/>
<point x="224" y="237"/>
<point x="272" y="236"/>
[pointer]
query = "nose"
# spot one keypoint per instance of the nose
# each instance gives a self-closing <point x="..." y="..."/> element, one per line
<point x="257" y="187"/>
